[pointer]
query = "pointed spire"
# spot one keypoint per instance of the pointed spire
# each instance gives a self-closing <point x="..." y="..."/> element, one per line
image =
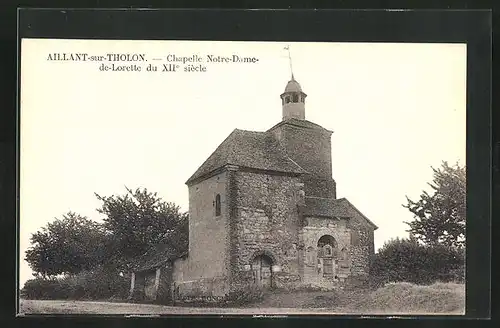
<point x="287" y="48"/>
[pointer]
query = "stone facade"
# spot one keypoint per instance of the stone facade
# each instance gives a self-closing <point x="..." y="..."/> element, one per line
<point x="267" y="223"/>
<point x="207" y="252"/>
<point x="362" y="244"/>
<point x="206" y="269"/>
<point x="309" y="145"/>
<point x="314" y="229"/>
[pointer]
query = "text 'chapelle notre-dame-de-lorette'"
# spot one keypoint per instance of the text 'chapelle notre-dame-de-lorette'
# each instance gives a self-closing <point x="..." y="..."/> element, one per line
<point x="138" y="62"/>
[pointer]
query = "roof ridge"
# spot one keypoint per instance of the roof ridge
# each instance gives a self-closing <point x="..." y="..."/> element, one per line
<point x="252" y="131"/>
<point x="361" y="213"/>
<point x="291" y="160"/>
<point x="297" y="122"/>
<point x="213" y="153"/>
<point x="317" y="197"/>
<point x="283" y="150"/>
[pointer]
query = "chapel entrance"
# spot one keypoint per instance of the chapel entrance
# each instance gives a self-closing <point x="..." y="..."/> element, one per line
<point x="262" y="271"/>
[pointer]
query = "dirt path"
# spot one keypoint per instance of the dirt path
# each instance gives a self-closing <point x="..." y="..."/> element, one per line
<point x="307" y="299"/>
<point x="83" y="307"/>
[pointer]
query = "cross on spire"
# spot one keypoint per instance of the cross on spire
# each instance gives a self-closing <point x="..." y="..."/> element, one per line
<point x="287" y="48"/>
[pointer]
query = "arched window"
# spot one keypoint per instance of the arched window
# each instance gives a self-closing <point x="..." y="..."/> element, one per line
<point x="217" y="205"/>
<point x="327" y="246"/>
<point x="295" y="98"/>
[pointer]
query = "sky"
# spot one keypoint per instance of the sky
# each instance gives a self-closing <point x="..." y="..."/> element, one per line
<point x="396" y="109"/>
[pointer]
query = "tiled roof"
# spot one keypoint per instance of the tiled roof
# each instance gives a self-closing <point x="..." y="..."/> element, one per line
<point x="328" y="207"/>
<point x="316" y="206"/>
<point x="257" y="150"/>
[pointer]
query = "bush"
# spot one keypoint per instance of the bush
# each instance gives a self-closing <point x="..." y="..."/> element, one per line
<point x="90" y="285"/>
<point x="244" y="295"/>
<point x="406" y="260"/>
<point x="42" y="288"/>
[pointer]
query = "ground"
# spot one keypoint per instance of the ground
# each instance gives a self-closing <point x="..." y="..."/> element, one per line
<point x="399" y="298"/>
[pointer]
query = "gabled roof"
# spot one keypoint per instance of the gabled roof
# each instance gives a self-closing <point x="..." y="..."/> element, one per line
<point x="328" y="207"/>
<point x="250" y="149"/>
<point x="156" y="257"/>
<point x="300" y="123"/>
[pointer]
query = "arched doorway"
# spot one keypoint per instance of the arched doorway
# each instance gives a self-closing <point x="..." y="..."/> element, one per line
<point x="327" y="253"/>
<point x="262" y="271"/>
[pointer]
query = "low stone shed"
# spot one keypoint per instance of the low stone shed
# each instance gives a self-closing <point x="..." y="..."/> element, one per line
<point x="152" y="276"/>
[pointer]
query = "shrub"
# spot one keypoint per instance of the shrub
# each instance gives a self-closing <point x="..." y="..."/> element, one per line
<point x="244" y="295"/>
<point x="406" y="260"/>
<point x="92" y="285"/>
<point x="41" y="288"/>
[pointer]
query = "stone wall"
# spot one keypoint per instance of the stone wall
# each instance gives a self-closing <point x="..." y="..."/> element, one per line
<point x="165" y="281"/>
<point x="362" y="241"/>
<point x="311" y="148"/>
<point x="179" y="267"/>
<point x="207" y="232"/>
<point x="205" y="289"/>
<point x="266" y="221"/>
<point x="319" y="187"/>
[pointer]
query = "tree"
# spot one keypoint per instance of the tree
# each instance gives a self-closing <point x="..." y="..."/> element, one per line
<point x="138" y="221"/>
<point x="403" y="259"/>
<point x="67" y="246"/>
<point x="440" y="218"/>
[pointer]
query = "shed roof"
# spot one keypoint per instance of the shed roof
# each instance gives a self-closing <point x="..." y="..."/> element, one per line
<point x="156" y="257"/>
<point x="329" y="207"/>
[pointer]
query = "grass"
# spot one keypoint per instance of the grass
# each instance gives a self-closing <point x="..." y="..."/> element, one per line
<point x="407" y="298"/>
<point x="393" y="298"/>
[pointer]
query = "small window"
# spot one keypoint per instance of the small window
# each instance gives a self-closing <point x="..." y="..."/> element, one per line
<point x="217" y="205"/>
<point x="343" y="253"/>
<point x="310" y="255"/>
<point x="287" y="99"/>
<point x="328" y="250"/>
<point x="295" y="98"/>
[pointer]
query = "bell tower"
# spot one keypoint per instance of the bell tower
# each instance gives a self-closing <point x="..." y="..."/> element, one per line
<point x="306" y="143"/>
<point x="293" y="101"/>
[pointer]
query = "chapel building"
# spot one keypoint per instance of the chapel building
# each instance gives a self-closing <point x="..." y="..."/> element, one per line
<point x="264" y="212"/>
